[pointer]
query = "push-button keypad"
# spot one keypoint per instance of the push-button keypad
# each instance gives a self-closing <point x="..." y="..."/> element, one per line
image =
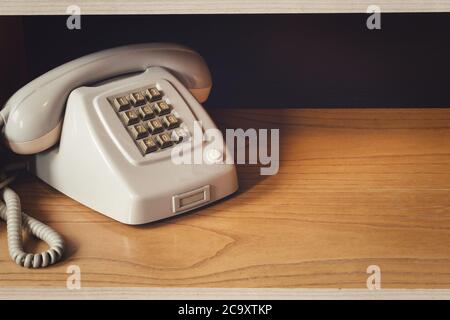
<point x="150" y="120"/>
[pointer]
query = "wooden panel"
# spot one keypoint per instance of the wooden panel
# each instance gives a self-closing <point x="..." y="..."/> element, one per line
<point x="22" y="7"/>
<point x="356" y="187"/>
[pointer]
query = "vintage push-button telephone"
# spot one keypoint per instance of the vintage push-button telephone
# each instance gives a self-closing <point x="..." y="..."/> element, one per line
<point x="102" y="128"/>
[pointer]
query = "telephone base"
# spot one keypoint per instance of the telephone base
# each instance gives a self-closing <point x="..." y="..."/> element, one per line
<point x="98" y="164"/>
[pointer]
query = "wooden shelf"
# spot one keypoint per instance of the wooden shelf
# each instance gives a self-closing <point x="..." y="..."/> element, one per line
<point x="356" y="187"/>
<point x="38" y="7"/>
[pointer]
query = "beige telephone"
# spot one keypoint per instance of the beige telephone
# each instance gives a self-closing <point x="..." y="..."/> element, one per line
<point x="105" y="129"/>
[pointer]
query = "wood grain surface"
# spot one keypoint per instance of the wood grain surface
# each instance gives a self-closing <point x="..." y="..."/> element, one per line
<point x="356" y="187"/>
<point x="32" y="7"/>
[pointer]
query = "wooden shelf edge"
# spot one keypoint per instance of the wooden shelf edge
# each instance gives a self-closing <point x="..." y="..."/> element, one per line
<point x="222" y="294"/>
<point x="22" y="7"/>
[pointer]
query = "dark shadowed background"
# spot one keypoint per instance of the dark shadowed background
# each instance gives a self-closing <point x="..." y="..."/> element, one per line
<point x="304" y="60"/>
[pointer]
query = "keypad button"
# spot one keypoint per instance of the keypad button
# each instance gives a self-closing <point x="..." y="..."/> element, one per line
<point x="171" y="121"/>
<point x="121" y="104"/>
<point x="164" y="140"/>
<point x="137" y="98"/>
<point x="155" y="126"/>
<point x="153" y="94"/>
<point x="179" y="134"/>
<point x="146" y="112"/>
<point x="147" y="145"/>
<point x="138" y="131"/>
<point x="161" y="108"/>
<point x="130" y="117"/>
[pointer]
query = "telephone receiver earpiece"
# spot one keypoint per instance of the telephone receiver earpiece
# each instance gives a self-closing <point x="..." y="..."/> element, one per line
<point x="33" y="115"/>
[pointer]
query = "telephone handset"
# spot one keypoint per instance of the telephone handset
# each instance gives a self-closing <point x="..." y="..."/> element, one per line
<point x="34" y="113"/>
<point x="104" y="128"/>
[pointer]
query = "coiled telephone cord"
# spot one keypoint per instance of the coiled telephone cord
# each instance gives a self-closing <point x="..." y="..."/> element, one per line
<point x="16" y="220"/>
